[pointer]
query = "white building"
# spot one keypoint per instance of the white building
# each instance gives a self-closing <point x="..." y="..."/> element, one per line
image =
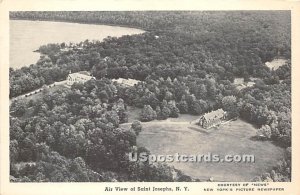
<point x="250" y="84"/>
<point x="79" y="77"/>
<point x="238" y="81"/>
<point x="241" y="84"/>
<point x="126" y="82"/>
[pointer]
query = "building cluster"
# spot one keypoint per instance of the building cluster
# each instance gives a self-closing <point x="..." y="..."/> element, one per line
<point x="78" y="77"/>
<point x="83" y="76"/>
<point x="72" y="46"/>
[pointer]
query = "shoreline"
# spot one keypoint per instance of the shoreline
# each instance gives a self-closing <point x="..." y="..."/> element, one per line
<point x="92" y="23"/>
<point x="61" y="21"/>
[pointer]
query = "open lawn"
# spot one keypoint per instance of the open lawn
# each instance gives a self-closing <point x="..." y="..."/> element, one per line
<point x="179" y="136"/>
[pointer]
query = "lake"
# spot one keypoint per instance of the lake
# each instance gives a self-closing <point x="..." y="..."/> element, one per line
<point x="177" y="136"/>
<point x="27" y="36"/>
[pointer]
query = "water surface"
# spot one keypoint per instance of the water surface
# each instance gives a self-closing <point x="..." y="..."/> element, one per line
<point x="27" y="36"/>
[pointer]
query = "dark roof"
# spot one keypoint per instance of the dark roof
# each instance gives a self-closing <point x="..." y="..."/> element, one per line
<point x="214" y="114"/>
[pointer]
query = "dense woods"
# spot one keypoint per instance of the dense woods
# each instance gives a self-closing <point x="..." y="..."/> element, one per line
<point x="192" y="43"/>
<point x="74" y="135"/>
<point x="186" y="62"/>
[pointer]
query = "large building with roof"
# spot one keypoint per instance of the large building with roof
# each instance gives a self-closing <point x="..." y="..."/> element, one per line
<point x="213" y="118"/>
<point x="78" y="77"/>
<point x="126" y="82"/>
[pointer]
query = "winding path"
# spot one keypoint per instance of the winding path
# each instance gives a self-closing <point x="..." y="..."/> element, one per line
<point x="37" y="91"/>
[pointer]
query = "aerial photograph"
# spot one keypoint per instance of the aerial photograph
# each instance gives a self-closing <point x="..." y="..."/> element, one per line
<point x="150" y="96"/>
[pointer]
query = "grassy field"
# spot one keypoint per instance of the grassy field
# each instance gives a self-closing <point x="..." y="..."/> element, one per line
<point x="178" y="135"/>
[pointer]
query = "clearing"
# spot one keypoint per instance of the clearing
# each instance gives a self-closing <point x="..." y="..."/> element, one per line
<point x="276" y="63"/>
<point x="179" y="136"/>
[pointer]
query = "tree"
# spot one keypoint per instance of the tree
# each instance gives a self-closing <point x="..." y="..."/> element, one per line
<point x="19" y="107"/>
<point x="15" y="130"/>
<point x="158" y="112"/>
<point x="42" y="151"/>
<point x="148" y="114"/>
<point x="165" y="111"/>
<point x="229" y="104"/>
<point x="203" y="105"/>
<point x="13" y="151"/>
<point x="265" y="131"/>
<point x="211" y="88"/>
<point x="79" y="170"/>
<point x="103" y="96"/>
<point x="168" y="96"/>
<point x="123" y="115"/>
<point x="136" y="126"/>
<point x="174" y="111"/>
<point x="149" y="99"/>
<point x="100" y="70"/>
<point x="195" y="108"/>
<point x="113" y="117"/>
<point x="183" y="106"/>
<point x="27" y="146"/>
<point x="119" y="107"/>
<point x="202" y="92"/>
